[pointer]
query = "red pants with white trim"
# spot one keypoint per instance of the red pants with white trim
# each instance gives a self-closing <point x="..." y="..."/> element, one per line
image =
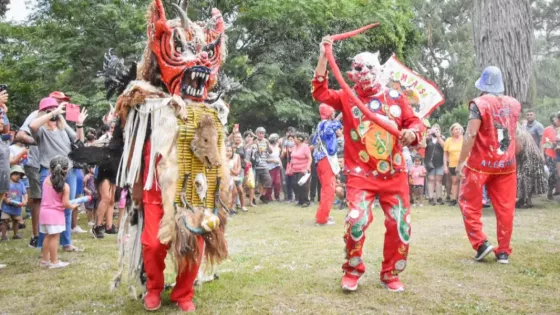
<point x="328" y="183"/>
<point x="394" y="198"/>
<point x="502" y="189"/>
<point x="154" y="258"/>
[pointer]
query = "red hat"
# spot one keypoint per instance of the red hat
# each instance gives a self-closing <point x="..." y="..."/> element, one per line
<point x="59" y="96"/>
<point x="325" y="111"/>
<point x="48" y="102"/>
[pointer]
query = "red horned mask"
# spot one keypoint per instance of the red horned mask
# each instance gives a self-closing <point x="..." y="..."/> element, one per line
<point x="189" y="54"/>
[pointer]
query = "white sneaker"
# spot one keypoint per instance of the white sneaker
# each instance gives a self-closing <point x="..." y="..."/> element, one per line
<point x="90" y="223"/>
<point x="45" y="263"/>
<point x="421" y="205"/>
<point x="78" y="229"/>
<point x="59" y="264"/>
<point x="2" y="266"/>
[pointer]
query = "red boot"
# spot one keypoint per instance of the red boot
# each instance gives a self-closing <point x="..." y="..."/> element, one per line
<point x="393" y="285"/>
<point x="350" y="282"/>
<point x="152" y="301"/>
<point x="186" y="306"/>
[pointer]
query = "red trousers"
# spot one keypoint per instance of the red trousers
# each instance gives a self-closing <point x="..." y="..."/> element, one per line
<point x="328" y="183"/>
<point x="394" y="198"/>
<point x="154" y="257"/>
<point x="276" y="177"/>
<point x="502" y="191"/>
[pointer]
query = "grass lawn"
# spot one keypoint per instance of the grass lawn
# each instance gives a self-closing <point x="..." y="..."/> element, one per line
<point x="282" y="264"/>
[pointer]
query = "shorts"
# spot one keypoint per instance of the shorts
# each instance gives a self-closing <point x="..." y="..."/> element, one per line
<point x="7" y="216"/>
<point x="453" y="171"/>
<point x="263" y="177"/>
<point x="34" y="178"/>
<point x="51" y="228"/>
<point x="438" y="171"/>
<point x="92" y="204"/>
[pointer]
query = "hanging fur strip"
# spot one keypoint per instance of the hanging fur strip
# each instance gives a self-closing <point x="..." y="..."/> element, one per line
<point x="531" y="177"/>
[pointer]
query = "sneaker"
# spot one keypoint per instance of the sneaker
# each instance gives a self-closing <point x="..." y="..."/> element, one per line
<point x="152" y="302"/>
<point x="264" y="200"/>
<point x="17" y="237"/>
<point x="440" y="202"/>
<point x="59" y="264"/>
<point x="330" y="221"/>
<point x="97" y="231"/>
<point x="452" y="203"/>
<point x="350" y="282"/>
<point x="502" y="258"/>
<point x="393" y="286"/>
<point x="78" y="229"/>
<point x="112" y="230"/>
<point x="421" y="205"/>
<point x="90" y="223"/>
<point x="483" y="251"/>
<point x="33" y="242"/>
<point x="21" y="226"/>
<point x="414" y="205"/>
<point x="44" y="263"/>
<point x="432" y="202"/>
<point x="186" y="306"/>
<point x="244" y="209"/>
<point x="305" y="205"/>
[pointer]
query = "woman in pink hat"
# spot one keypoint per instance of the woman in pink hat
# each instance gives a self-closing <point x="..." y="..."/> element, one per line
<point x="54" y="137"/>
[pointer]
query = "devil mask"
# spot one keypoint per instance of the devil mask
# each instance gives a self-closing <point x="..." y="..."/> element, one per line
<point x="366" y="71"/>
<point x="189" y="54"/>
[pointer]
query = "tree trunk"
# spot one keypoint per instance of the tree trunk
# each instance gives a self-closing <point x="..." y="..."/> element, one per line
<point x="503" y="37"/>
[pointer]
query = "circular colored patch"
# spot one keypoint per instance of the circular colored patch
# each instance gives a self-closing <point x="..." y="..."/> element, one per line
<point x="394" y="94"/>
<point x="354" y="135"/>
<point x="400" y="265"/>
<point x="356" y="112"/>
<point x="395" y="111"/>
<point x="374" y="105"/>
<point x="383" y="167"/>
<point x="397" y="159"/>
<point x="354" y="214"/>
<point x="364" y="156"/>
<point x="354" y="261"/>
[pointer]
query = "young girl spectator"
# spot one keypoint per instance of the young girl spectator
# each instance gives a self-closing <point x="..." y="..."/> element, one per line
<point x="417" y="177"/>
<point x="234" y="164"/>
<point x="56" y="198"/>
<point x="90" y="190"/>
<point x="13" y="203"/>
<point x="275" y="166"/>
<point x="290" y="179"/>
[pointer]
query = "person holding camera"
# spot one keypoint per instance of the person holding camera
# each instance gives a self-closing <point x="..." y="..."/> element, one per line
<point x="434" y="164"/>
<point x="54" y="137"/>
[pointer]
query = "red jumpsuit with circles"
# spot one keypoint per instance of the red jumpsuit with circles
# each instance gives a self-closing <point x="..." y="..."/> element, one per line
<point x="375" y="167"/>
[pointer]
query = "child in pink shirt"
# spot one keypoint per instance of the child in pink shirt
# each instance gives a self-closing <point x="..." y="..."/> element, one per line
<point x="56" y="198"/>
<point x="417" y="175"/>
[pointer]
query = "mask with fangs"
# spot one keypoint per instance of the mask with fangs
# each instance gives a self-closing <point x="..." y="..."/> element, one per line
<point x="366" y="71"/>
<point x="189" y="54"/>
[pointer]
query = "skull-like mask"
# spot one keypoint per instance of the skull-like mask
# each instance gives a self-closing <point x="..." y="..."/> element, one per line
<point x="201" y="185"/>
<point x="222" y="109"/>
<point x="366" y="71"/>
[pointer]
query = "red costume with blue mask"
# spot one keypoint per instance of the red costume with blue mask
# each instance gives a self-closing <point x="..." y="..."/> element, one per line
<point x="324" y="155"/>
<point x="491" y="163"/>
<point x="375" y="168"/>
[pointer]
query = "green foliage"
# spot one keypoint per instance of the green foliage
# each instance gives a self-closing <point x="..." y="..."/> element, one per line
<point x="273" y="48"/>
<point x="446" y="53"/>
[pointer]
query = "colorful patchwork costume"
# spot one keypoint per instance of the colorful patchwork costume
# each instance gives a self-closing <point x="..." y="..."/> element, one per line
<point x="374" y="166"/>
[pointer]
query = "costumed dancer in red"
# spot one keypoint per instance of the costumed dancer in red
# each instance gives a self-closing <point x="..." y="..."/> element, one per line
<point x="374" y="164"/>
<point x="488" y="158"/>
<point x="324" y="154"/>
